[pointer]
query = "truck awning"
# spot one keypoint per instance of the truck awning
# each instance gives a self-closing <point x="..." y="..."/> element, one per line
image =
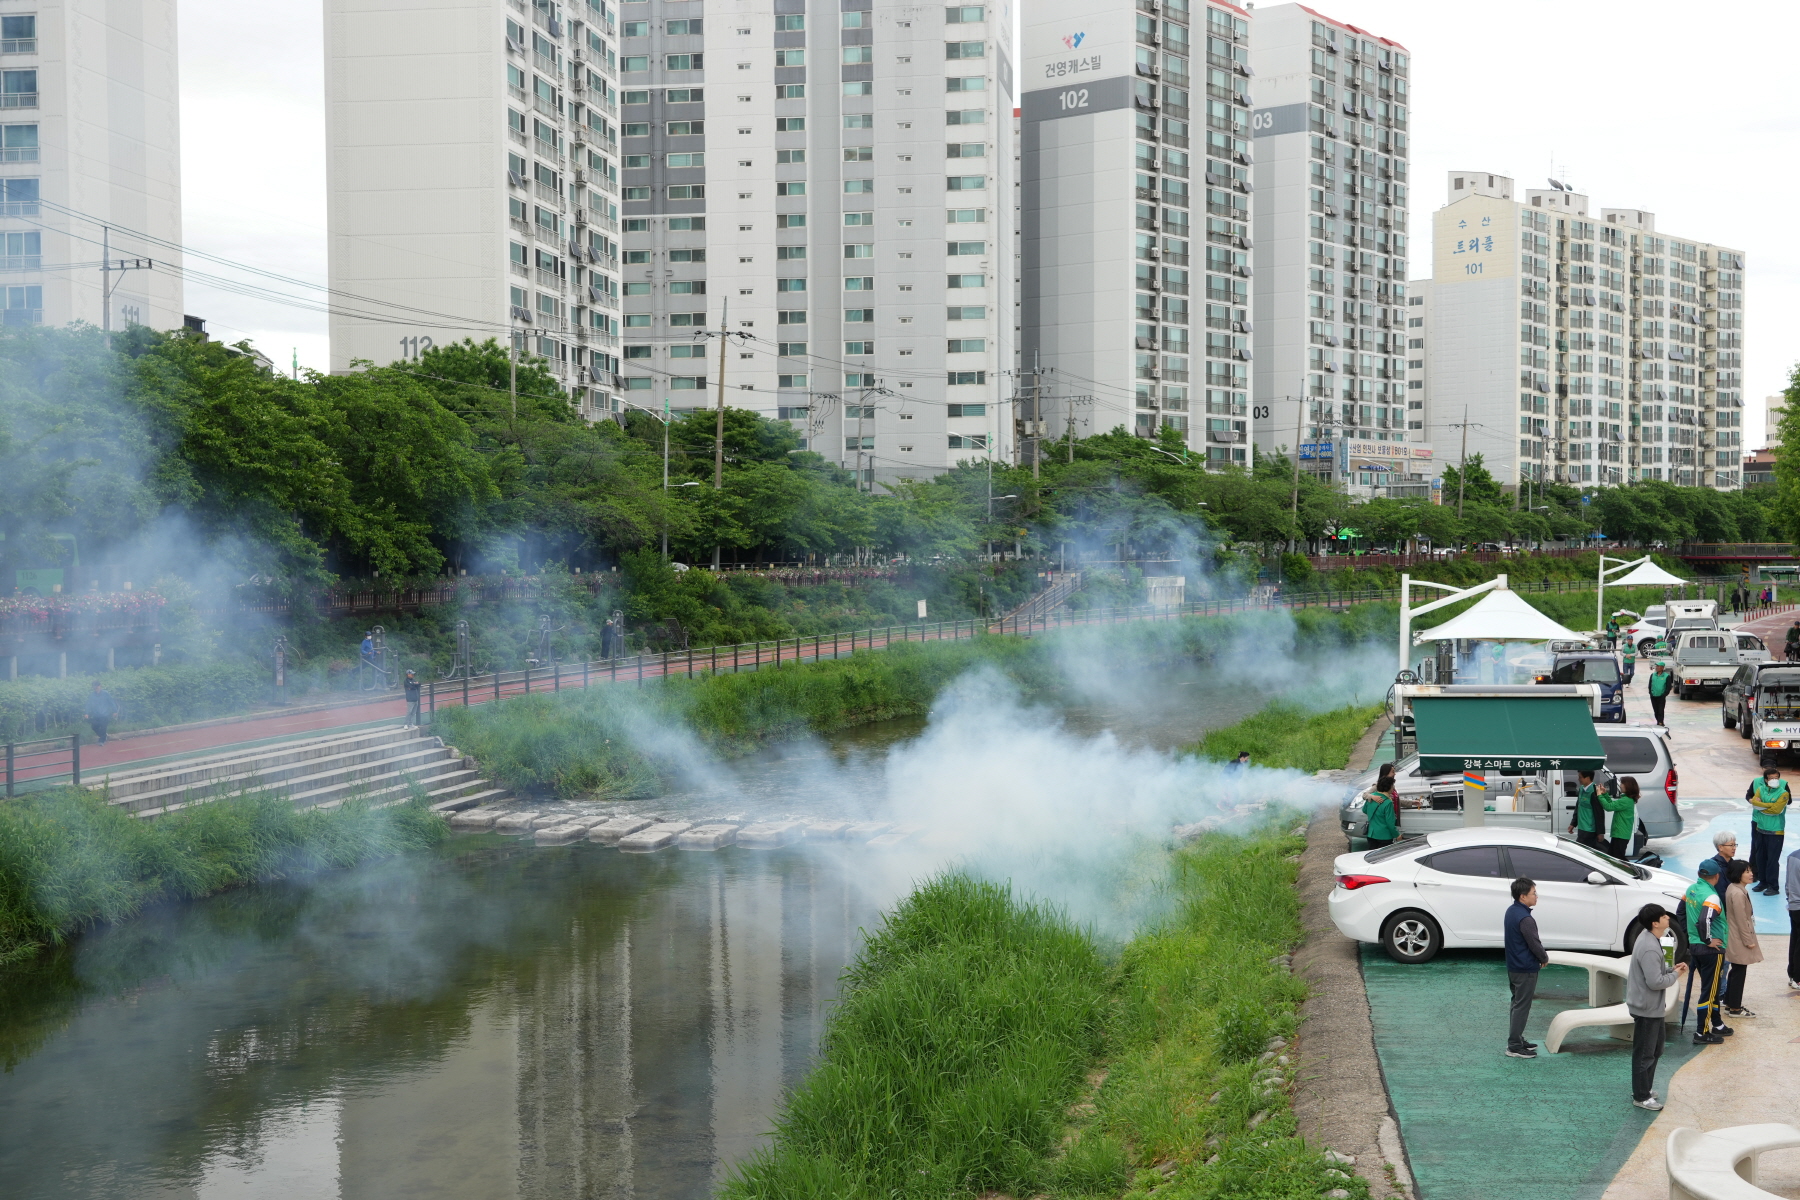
<point x="1499" y="734"/>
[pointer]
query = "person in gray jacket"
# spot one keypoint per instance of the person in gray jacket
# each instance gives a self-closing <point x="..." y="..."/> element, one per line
<point x="1645" y="982"/>
<point x="1793" y="907"/>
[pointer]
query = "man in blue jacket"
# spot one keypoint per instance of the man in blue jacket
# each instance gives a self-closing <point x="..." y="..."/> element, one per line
<point x="1525" y="957"/>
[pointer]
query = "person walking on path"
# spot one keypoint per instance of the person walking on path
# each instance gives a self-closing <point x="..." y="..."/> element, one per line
<point x="1658" y="685"/>
<point x="1630" y="651"/>
<point x="412" y="700"/>
<point x="1623" y="807"/>
<point x="1793" y="641"/>
<point x="1525" y="957"/>
<point x="1648" y="977"/>
<point x="1741" y="947"/>
<point x="101" y="709"/>
<point x="1768" y="797"/>
<point x="1793" y="907"/>
<point x="1725" y="845"/>
<point x="1381" y="804"/>
<point x="368" y="661"/>
<point x="1707" y="928"/>
<point x="1585" y="823"/>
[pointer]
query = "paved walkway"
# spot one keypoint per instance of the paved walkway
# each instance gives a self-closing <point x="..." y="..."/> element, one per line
<point x="1749" y="1079"/>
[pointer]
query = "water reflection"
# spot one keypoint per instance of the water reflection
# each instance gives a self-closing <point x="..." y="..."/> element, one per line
<point x="513" y="1022"/>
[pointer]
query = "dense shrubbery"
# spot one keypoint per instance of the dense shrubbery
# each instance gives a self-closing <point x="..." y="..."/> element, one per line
<point x="1284" y="735"/>
<point x="166" y="695"/>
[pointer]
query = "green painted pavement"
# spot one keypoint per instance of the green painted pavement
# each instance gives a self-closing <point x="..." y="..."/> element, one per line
<point x="1479" y="1125"/>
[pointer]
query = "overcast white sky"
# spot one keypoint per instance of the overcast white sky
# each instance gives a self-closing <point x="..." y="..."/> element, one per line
<point x="1685" y="110"/>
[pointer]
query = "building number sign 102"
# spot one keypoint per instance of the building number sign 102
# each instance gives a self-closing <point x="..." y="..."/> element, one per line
<point x="412" y="347"/>
<point x="1074" y="99"/>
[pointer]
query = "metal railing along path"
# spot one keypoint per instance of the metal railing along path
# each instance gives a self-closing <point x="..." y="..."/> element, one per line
<point x="42" y="763"/>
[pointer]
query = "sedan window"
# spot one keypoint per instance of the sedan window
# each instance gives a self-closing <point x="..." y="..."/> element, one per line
<point x="1468" y="860"/>
<point x="1545" y="866"/>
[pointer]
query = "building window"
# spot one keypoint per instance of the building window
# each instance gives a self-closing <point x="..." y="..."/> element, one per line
<point x="688" y="26"/>
<point x="18" y="197"/>
<point x="959" y="50"/>
<point x="957" y="248"/>
<point x="965" y="150"/>
<point x="968" y="441"/>
<point x="790" y="24"/>
<point x="966" y="83"/>
<point x="790" y="58"/>
<point x="966" y="183"/>
<point x="964" y="15"/>
<point x="965" y="346"/>
<point x="794" y="316"/>
<point x="859" y="121"/>
<point x="966" y="281"/>
<point x="791" y="221"/>
<point x="859" y="316"/>
<point x="960" y="378"/>
<point x="964" y="312"/>
<point x="859" y="250"/>
<point x="685" y="62"/>
<point x="790" y="91"/>
<point x="859" y="283"/>
<point x="634" y="62"/>
<point x="790" y="124"/>
<point x="855" y="56"/>
<point x="858" y="187"/>
<point x="687" y="191"/>
<point x="795" y="187"/>
<point x="968" y="410"/>
<point x="790" y="285"/>
<point x="791" y="381"/>
<point x="18" y="35"/>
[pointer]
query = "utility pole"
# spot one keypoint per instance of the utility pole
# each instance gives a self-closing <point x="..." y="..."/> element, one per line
<point x="1037" y="414"/>
<point x="1300" y="403"/>
<point x="107" y="270"/>
<point x="1462" y="468"/>
<point x="512" y="377"/>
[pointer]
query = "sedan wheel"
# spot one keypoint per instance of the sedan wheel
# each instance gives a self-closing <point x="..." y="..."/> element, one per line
<point x="1411" y="937"/>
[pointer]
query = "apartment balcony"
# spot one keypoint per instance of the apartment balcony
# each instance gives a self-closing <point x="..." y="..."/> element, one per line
<point x="19" y="100"/>
<point x="18" y="46"/>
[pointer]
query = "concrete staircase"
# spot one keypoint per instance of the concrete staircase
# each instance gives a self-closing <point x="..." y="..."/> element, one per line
<point x="382" y="766"/>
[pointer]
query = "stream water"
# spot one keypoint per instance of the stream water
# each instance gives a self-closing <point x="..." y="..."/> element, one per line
<point x="497" y="1020"/>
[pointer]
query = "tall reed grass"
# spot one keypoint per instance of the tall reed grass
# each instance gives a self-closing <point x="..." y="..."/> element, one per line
<point x="964" y="1029"/>
<point x="69" y="860"/>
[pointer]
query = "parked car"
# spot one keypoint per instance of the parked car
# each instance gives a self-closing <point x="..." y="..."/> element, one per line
<point x="1452" y="888"/>
<point x="1770" y="712"/>
<point x="1592" y="666"/>
<point x="1640" y="751"/>
<point x="1649" y="629"/>
<point x="1737" y="699"/>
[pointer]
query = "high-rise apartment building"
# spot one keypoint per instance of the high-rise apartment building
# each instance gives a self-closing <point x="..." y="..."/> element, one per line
<point x="1331" y="138"/>
<point x="1626" y="343"/>
<point x="89" y="149"/>
<point x="831" y="185"/>
<point x="1136" y="243"/>
<point x="473" y="183"/>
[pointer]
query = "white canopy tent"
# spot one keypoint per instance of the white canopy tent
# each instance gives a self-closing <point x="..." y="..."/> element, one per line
<point x="1501" y="616"/>
<point x="1647" y="572"/>
<point x="1647" y="575"/>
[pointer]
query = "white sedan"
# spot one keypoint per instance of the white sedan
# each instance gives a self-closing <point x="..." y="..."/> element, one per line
<point x="1453" y="888"/>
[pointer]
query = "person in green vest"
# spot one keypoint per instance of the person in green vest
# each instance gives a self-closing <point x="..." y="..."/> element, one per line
<point x="1706" y="931"/>
<point x="1381" y="805"/>
<point x="1769" y="798"/>
<point x="1623" y="807"/>
<point x="1612" y="627"/>
<point x="1659" y="683"/>
<point x="1585" y="824"/>
<point x="1630" y="649"/>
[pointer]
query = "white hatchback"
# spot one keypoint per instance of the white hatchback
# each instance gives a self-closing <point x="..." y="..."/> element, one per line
<point x="1453" y="888"/>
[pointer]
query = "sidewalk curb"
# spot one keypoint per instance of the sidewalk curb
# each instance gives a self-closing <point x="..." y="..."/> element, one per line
<point x="1340" y="1096"/>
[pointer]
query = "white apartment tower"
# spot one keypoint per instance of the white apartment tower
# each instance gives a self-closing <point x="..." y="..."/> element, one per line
<point x="90" y="157"/>
<point x="1135" y="248"/>
<point x="669" y="172"/>
<point x="1585" y="348"/>
<point x="1331" y="144"/>
<point x="472" y="178"/>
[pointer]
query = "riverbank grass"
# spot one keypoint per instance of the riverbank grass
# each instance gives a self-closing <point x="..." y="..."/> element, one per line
<point x="69" y="860"/>
<point x="1284" y="735"/>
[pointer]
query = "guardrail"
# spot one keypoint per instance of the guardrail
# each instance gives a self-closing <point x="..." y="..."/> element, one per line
<point x="35" y="764"/>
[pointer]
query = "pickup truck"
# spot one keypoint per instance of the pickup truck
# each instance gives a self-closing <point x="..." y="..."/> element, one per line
<point x="1771" y="717"/>
<point x="1705" y="661"/>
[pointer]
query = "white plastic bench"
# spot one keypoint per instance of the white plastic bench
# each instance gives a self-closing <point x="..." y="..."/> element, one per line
<point x="1721" y="1164"/>
<point x="1606" y="998"/>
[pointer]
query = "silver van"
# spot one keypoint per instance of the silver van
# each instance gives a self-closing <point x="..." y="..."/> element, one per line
<point x="1640" y="751"/>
